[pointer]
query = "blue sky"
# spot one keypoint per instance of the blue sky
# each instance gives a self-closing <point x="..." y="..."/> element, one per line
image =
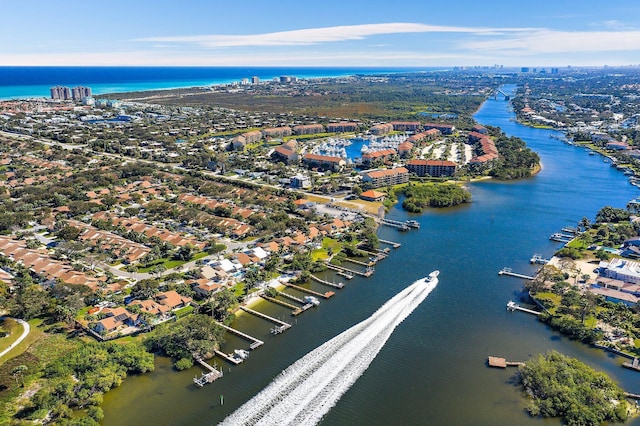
<point x="320" y="33"/>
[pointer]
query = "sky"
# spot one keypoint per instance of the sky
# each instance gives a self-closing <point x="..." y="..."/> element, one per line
<point x="366" y="33"/>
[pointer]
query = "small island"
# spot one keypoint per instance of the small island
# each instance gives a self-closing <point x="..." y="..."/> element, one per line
<point x="565" y="387"/>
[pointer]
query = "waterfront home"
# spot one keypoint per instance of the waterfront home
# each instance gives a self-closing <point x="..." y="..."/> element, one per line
<point x="205" y="288"/>
<point x="172" y="299"/>
<point x="621" y="269"/>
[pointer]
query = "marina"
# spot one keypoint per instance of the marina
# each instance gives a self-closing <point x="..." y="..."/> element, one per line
<point x="402" y="226"/>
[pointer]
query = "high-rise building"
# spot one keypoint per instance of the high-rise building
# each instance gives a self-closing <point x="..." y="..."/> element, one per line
<point x="60" y="93"/>
<point x="255" y="79"/>
<point x="80" y="92"/>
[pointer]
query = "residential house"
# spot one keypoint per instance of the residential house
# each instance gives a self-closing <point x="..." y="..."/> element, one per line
<point x="172" y="299"/>
<point x="372" y="195"/>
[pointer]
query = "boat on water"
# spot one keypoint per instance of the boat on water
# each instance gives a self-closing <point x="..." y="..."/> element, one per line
<point x="432" y="277"/>
<point x="241" y="353"/>
<point x="312" y="299"/>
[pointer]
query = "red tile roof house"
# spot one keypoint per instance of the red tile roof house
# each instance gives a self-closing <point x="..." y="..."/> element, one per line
<point x="172" y="300"/>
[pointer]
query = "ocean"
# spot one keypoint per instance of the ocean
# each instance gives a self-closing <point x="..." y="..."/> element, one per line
<point x="34" y="82"/>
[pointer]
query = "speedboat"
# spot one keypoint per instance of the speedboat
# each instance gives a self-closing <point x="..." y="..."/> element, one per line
<point x="241" y="353"/>
<point x="312" y="299"/>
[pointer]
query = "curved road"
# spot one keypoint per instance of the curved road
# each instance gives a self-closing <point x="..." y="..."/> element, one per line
<point x="27" y="328"/>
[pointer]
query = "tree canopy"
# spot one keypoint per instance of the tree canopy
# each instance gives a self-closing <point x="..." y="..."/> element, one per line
<point x="565" y="387"/>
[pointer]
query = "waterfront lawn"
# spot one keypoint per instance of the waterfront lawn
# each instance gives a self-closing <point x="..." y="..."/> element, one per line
<point x="184" y="311"/>
<point x="550" y="300"/>
<point x="328" y="245"/>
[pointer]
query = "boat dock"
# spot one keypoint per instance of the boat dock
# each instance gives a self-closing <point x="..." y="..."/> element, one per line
<point x="351" y="272"/>
<point x="498" y="362"/>
<point x="295" y="310"/>
<point x="396" y="224"/>
<point x="634" y="365"/>
<point x="325" y="282"/>
<point x="325" y="295"/>
<point x="357" y="262"/>
<point x="513" y="306"/>
<point x="561" y="238"/>
<point x="391" y="243"/>
<point x="570" y="230"/>
<point x="286" y="325"/>
<point x="305" y="305"/>
<point x="255" y="343"/>
<point x="209" y="377"/>
<point x="228" y="357"/>
<point x="538" y="260"/>
<point x="509" y="272"/>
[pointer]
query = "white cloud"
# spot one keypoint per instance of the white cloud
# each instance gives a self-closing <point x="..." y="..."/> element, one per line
<point x="547" y="41"/>
<point x="322" y="35"/>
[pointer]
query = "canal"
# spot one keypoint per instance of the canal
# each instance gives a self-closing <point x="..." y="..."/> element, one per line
<point x="433" y="368"/>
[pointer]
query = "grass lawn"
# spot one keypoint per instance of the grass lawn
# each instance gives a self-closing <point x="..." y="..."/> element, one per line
<point x="184" y="311"/>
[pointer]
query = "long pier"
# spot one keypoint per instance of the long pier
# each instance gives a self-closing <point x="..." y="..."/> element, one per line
<point x="367" y="273"/>
<point x="228" y="357"/>
<point x="325" y="282"/>
<point x="326" y="295"/>
<point x="255" y="343"/>
<point x="513" y="306"/>
<point x="209" y="377"/>
<point x="295" y="310"/>
<point x="509" y="272"/>
<point x="391" y="243"/>
<point x="286" y="325"/>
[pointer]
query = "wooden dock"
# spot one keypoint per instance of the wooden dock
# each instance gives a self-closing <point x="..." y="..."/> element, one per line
<point x="325" y="295"/>
<point x="228" y="357"/>
<point x="255" y="343"/>
<point x="366" y="274"/>
<point x="209" y="377"/>
<point x="295" y="310"/>
<point x="325" y="282"/>
<point x="391" y="243"/>
<point x="498" y="362"/>
<point x="513" y="306"/>
<point x="357" y="262"/>
<point x="286" y="325"/>
<point x="634" y="365"/>
<point x="509" y="272"/>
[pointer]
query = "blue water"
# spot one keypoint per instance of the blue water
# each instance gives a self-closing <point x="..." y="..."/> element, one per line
<point x="30" y="82"/>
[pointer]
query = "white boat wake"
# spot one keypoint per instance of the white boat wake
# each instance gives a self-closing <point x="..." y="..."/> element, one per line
<point x="304" y="392"/>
